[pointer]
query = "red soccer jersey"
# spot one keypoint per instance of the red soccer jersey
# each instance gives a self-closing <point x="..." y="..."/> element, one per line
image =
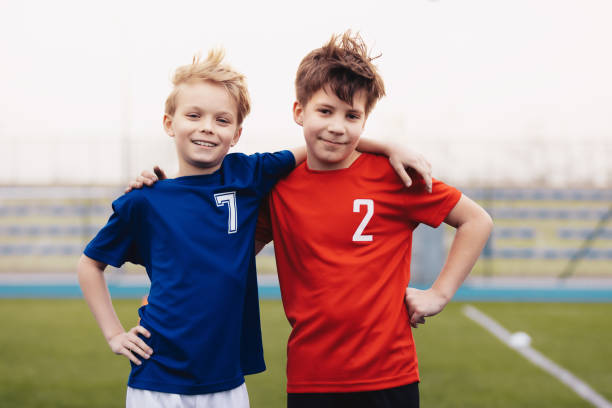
<point x="342" y="240"/>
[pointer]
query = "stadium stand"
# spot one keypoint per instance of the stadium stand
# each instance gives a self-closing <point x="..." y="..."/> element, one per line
<point x="537" y="231"/>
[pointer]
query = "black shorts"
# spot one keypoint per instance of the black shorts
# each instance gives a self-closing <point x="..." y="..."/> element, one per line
<point x="405" y="396"/>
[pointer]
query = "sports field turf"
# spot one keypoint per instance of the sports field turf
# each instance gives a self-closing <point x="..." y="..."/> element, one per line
<point x="53" y="355"/>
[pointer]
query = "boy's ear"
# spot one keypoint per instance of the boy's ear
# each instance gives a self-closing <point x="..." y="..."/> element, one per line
<point x="298" y="113"/>
<point x="168" y="125"/>
<point x="236" y="137"/>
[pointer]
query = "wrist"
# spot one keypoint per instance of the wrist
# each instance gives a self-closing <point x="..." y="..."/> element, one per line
<point x="442" y="293"/>
<point x="390" y="148"/>
<point x="113" y="334"/>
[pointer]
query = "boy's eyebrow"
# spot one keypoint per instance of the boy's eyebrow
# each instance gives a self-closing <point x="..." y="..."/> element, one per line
<point x="332" y="107"/>
<point x="197" y="108"/>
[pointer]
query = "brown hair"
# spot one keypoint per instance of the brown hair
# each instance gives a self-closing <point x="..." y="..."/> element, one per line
<point x="212" y="69"/>
<point x="344" y="65"/>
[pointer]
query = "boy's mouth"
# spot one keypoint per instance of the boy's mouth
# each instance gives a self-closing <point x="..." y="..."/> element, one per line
<point x="332" y="142"/>
<point x="203" y="143"/>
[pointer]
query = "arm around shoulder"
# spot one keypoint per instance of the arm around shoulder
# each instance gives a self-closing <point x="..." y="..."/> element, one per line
<point x="299" y="154"/>
<point x="400" y="159"/>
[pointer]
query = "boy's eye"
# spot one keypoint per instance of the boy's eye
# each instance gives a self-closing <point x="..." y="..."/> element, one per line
<point x="353" y="116"/>
<point x="223" y="120"/>
<point x="325" y="111"/>
<point x="193" y="115"/>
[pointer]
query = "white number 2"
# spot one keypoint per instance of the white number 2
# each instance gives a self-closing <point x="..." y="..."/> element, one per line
<point x="358" y="235"/>
<point x="229" y="199"/>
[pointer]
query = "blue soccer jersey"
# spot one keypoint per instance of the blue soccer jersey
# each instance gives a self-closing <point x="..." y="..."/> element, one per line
<point x="194" y="235"/>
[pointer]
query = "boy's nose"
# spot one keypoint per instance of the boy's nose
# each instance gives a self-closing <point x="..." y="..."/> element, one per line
<point x="335" y="127"/>
<point x="206" y="126"/>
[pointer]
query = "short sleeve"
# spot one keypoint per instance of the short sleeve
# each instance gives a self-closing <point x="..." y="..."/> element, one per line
<point x="431" y="208"/>
<point x="263" y="231"/>
<point x="271" y="167"/>
<point x="115" y="243"/>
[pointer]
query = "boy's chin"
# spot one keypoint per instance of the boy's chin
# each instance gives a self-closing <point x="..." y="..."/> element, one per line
<point x="330" y="161"/>
<point x="332" y="154"/>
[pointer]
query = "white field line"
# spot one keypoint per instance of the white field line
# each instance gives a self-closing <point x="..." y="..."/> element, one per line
<point x="573" y="382"/>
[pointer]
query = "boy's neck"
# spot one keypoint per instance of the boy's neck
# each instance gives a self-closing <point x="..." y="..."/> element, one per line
<point x="187" y="170"/>
<point x="321" y="165"/>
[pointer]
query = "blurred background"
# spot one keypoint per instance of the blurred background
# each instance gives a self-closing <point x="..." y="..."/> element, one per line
<point x="504" y="93"/>
<point x="509" y="100"/>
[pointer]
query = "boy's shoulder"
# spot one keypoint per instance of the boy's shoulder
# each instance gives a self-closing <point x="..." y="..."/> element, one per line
<point x="368" y="166"/>
<point x="240" y="159"/>
<point x="378" y="167"/>
<point x="369" y="172"/>
<point x="262" y="170"/>
<point x="375" y="160"/>
<point x="253" y="159"/>
<point x="127" y="203"/>
<point x="164" y="194"/>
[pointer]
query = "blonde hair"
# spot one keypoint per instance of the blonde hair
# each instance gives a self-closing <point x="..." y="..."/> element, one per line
<point x="344" y="65"/>
<point x="212" y="69"/>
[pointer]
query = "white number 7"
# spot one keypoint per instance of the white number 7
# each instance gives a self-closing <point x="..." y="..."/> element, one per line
<point x="357" y="236"/>
<point x="229" y="199"/>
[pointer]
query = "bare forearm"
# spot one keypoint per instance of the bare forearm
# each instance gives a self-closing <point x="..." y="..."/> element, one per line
<point x="366" y="145"/>
<point x="299" y="154"/>
<point x="95" y="291"/>
<point x="473" y="228"/>
<point x="400" y="159"/>
<point x="467" y="245"/>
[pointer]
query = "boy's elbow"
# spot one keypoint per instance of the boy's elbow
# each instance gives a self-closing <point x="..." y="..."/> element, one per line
<point x="486" y="222"/>
<point x="87" y="265"/>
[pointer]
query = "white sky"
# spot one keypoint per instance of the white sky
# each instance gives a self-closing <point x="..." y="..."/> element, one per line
<point x="515" y="91"/>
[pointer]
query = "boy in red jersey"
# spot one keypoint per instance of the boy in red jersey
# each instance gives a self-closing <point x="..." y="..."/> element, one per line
<point x="342" y="225"/>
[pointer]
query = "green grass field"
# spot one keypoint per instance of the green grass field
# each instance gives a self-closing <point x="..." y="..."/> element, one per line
<point x="53" y="355"/>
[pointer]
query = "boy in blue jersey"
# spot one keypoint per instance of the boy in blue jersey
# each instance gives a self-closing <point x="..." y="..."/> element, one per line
<point x="200" y="333"/>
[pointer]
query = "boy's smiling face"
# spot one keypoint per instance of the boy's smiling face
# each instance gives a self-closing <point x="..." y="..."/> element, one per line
<point x="332" y="128"/>
<point x="204" y="126"/>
